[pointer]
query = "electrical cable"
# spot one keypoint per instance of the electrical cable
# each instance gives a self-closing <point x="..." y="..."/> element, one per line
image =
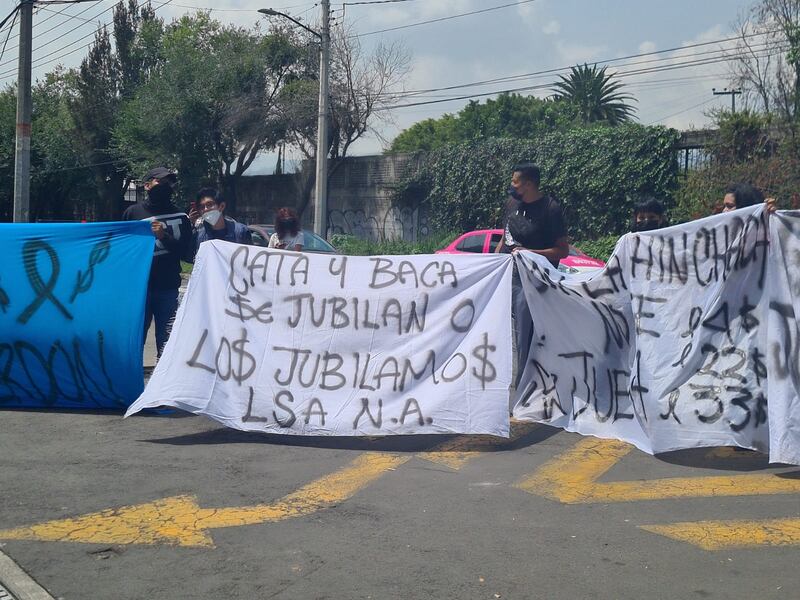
<point x="440" y="19"/>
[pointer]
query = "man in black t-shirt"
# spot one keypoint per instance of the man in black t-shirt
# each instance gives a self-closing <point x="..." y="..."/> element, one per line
<point x="532" y="220"/>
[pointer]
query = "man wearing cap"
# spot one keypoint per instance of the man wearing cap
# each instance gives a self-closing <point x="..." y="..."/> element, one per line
<point x="173" y="242"/>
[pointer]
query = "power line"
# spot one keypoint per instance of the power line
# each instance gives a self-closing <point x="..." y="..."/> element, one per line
<point x="606" y="62"/>
<point x="633" y="73"/>
<point x="38" y="62"/>
<point x="250" y="10"/>
<point x="695" y="59"/>
<point x="375" y="2"/>
<point x="59" y="25"/>
<point x="8" y="16"/>
<point x="10" y="27"/>
<point x="685" y="110"/>
<point x="448" y="18"/>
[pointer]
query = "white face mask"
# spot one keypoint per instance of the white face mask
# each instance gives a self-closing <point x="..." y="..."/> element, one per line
<point x="212" y="217"/>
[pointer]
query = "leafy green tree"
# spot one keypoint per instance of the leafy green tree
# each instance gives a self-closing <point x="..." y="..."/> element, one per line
<point x="427" y="135"/>
<point x="362" y="84"/>
<point x="510" y="115"/>
<point x="208" y="107"/>
<point x="594" y="95"/>
<point x="105" y="82"/>
<point x="59" y="186"/>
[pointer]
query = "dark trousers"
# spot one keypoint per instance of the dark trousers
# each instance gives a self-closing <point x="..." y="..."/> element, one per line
<point x="161" y="306"/>
<point x="522" y="324"/>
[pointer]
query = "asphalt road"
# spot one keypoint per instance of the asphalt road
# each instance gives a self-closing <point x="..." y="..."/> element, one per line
<point x="170" y="506"/>
<point x="315" y="518"/>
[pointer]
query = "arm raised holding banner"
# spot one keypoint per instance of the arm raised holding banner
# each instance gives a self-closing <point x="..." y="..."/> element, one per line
<point x="174" y="242"/>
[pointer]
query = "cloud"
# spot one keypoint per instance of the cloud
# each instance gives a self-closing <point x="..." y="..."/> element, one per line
<point x="573" y="54"/>
<point x="384" y="16"/>
<point x="679" y="97"/>
<point x="552" y="28"/>
<point x="647" y="47"/>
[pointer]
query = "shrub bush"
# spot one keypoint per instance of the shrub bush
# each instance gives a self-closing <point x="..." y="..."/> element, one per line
<point x="349" y="244"/>
<point x="596" y="173"/>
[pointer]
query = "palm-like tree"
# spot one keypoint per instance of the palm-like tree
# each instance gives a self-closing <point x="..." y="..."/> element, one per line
<point x="595" y="96"/>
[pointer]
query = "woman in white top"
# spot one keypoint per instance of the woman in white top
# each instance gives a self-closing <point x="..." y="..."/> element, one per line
<point x="288" y="235"/>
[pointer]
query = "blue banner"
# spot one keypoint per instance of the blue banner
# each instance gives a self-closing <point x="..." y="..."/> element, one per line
<point x="71" y="313"/>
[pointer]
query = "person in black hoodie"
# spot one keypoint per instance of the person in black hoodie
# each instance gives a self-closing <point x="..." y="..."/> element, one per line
<point x="173" y="242"/>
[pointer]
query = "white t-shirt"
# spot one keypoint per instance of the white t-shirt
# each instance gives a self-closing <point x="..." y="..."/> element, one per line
<point x="288" y="242"/>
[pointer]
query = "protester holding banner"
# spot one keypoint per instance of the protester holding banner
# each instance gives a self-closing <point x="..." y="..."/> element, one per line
<point x="742" y="195"/>
<point x="288" y="235"/>
<point x="173" y="242"/>
<point x="533" y="220"/>
<point x="213" y="223"/>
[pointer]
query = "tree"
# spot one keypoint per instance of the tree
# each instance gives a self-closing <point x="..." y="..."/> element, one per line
<point x="766" y="60"/>
<point x="595" y="96"/>
<point x="59" y="184"/>
<point x="106" y="80"/>
<point x="208" y="107"/>
<point x="362" y="86"/>
<point x="508" y="116"/>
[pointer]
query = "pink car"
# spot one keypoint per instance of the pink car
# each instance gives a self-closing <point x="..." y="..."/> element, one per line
<point x="486" y="240"/>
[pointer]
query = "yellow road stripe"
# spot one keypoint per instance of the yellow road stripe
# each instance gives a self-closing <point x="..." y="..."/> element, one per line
<point x="180" y="521"/>
<point x="571" y="478"/>
<point x="727" y="452"/>
<point x="321" y="493"/>
<point x="457" y="452"/>
<point x="716" y="535"/>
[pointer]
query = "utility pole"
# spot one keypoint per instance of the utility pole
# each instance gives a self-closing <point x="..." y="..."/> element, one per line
<point x="727" y="92"/>
<point x="321" y="188"/>
<point x="22" y="156"/>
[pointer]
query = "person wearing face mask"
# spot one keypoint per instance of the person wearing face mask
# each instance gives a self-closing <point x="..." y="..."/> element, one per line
<point x="288" y="235"/>
<point x="213" y="224"/>
<point x="533" y="220"/>
<point x="648" y="215"/>
<point x="173" y="243"/>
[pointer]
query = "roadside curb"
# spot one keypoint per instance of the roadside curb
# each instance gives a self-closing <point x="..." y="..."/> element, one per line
<point x="18" y="583"/>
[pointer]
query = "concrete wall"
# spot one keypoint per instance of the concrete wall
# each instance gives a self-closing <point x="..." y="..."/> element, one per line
<point x="360" y="198"/>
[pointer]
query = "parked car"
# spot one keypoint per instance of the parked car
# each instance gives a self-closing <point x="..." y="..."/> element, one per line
<point x="485" y="241"/>
<point x="313" y="243"/>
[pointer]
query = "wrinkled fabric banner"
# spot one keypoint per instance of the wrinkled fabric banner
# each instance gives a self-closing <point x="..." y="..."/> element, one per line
<point x="71" y="313"/>
<point x="687" y="338"/>
<point x="313" y="344"/>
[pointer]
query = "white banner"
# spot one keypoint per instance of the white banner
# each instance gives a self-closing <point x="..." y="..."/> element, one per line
<point x="314" y="344"/>
<point x="679" y="342"/>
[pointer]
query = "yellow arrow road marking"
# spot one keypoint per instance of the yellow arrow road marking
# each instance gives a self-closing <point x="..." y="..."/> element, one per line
<point x="457" y="452"/>
<point x="716" y="535"/>
<point x="180" y="521"/>
<point x="571" y="478"/>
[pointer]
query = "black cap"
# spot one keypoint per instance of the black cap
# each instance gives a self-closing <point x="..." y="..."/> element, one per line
<point x="159" y="173"/>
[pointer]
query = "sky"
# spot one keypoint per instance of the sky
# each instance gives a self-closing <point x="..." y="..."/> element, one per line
<point x="529" y="36"/>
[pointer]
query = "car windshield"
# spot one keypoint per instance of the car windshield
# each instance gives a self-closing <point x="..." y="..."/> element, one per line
<point x="312" y="241"/>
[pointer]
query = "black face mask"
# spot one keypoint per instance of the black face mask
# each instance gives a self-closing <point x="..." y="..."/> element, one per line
<point x="160" y="194"/>
<point x="647" y="225"/>
<point x="289" y="223"/>
<point x="514" y="193"/>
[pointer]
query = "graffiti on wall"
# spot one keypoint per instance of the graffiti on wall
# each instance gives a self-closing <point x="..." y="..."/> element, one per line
<point x="409" y="224"/>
